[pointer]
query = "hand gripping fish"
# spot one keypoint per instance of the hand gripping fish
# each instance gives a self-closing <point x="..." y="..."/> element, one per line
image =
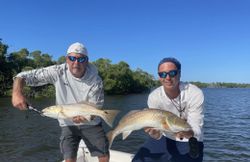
<point x="84" y="109"/>
<point x="164" y="121"/>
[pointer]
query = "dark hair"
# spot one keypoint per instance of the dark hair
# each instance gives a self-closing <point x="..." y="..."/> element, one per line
<point x="170" y="59"/>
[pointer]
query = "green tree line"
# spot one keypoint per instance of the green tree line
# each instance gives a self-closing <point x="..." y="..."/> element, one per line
<point x="221" y="85"/>
<point x="118" y="78"/>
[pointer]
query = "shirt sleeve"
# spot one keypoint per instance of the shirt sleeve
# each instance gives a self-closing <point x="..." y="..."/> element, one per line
<point x="39" y="77"/>
<point x="154" y="101"/>
<point x="195" y="115"/>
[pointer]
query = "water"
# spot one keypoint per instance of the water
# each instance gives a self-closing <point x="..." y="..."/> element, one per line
<point x="227" y="128"/>
<point x="227" y="125"/>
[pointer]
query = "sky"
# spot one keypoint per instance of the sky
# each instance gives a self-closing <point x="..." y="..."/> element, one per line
<point x="211" y="38"/>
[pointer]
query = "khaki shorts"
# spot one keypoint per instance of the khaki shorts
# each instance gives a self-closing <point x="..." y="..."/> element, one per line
<point x="93" y="136"/>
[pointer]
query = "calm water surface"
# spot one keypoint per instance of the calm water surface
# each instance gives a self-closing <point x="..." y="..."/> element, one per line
<point x="36" y="139"/>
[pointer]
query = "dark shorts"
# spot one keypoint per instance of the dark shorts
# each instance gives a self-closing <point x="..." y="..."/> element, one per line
<point x="93" y="136"/>
<point x="166" y="150"/>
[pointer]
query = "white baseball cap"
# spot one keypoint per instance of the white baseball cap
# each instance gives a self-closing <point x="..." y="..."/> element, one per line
<point x="77" y="48"/>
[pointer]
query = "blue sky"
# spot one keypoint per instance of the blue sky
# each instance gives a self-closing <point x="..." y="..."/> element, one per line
<point x="211" y="38"/>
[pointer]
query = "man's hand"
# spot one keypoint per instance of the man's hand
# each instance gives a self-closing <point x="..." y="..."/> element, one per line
<point x="154" y="133"/>
<point x="184" y="134"/>
<point x="79" y="119"/>
<point x="18" y="99"/>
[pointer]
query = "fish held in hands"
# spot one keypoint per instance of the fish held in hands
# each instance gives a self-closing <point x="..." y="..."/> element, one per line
<point x="164" y="121"/>
<point x="68" y="111"/>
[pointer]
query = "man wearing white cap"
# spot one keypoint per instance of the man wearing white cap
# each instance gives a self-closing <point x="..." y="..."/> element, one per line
<point x="75" y="81"/>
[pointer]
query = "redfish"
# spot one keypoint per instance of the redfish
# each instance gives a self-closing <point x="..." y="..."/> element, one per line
<point x="68" y="111"/>
<point x="164" y="121"/>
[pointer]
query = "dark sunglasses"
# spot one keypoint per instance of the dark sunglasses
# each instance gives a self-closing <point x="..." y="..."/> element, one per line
<point x="79" y="59"/>
<point x="171" y="73"/>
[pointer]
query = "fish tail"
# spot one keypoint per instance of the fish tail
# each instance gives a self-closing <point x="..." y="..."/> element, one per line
<point x="109" y="116"/>
<point x="110" y="136"/>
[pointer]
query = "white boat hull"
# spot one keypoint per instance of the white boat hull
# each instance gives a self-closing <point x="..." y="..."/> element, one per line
<point x="83" y="155"/>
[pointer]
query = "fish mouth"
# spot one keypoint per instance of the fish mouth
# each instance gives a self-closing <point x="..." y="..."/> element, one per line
<point x="43" y="112"/>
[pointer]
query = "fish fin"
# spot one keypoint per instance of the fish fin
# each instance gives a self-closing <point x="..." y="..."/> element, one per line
<point x="167" y="130"/>
<point x="110" y="135"/>
<point x="126" y="134"/>
<point x="132" y="112"/>
<point x="109" y="116"/>
<point x="165" y="125"/>
<point x="135" y="111"/>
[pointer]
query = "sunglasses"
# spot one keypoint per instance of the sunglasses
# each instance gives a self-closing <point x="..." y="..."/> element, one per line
<point x="171" y="73"/>
<point x="79" y="59"/>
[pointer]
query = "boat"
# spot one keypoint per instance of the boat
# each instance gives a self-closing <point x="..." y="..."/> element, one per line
<point x="83" y="155"/>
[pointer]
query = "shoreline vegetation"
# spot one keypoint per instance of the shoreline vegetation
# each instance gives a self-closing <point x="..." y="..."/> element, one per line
<point x="117" y="78"/>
